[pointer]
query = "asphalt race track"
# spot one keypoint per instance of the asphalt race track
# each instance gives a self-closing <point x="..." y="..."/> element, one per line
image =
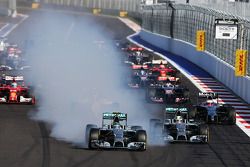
<point x="26" y="143"/>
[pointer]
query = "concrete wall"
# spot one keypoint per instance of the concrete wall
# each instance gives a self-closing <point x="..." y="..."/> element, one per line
<point x="4" y="11"/>
<point x="4" y="7"/>
<point x="216" y="67"/>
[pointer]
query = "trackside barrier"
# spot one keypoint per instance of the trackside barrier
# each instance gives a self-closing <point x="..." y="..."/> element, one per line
<point x="96" y="11"/>
<point x="123" y="14"/>
<point x="4" y="11"/>
<point x="35" y="5"/>
<point x="216" y="67"/>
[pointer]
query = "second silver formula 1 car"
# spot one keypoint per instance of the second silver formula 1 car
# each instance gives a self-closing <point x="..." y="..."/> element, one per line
<point x="177" y="127"/>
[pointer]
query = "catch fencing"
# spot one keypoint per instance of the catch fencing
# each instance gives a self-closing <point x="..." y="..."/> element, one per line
<point x="181" y="21"/>
<point x="110" y="7"/>
<point x="127" y="5"/>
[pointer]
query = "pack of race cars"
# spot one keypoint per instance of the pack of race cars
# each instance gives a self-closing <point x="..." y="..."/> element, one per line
<point x="183" y="121"/>
<point x="12" y="86"/>
<point x="11" y="57"/>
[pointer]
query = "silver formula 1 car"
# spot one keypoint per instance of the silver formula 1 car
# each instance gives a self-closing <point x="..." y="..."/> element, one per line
<point x="115" y="133"/>
<point x="177" y="127"/>
<point x="211" y="111"/>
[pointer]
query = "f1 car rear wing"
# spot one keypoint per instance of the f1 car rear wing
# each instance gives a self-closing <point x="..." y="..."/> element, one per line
<point x="136" y="67"/>
<point x="208" y="95"/>
<point x="157" y="62"/>
<point x="172" y="112"/>
<point x="174" y="109"/>
<point x="135" y="48"/>
<point x="168" y="78"/>
<point x="110" y="116"/>
<point x="11" y="78"/>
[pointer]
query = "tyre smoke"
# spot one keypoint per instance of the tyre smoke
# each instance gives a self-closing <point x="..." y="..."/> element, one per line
<point x="78" y="74"/>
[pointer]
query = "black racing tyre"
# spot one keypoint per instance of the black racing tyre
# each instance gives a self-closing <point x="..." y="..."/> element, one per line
<point x="231" y="116"/>
<point x="141" y="136"/>
<point x="6" y="97"/>
<point x="18" y="98"/>
<point x="186" y="93"/>
<point x="87" y="131"/>
<point x="204" y="130"/>
<point x="201" y="113"/>
<point x="192" y="113"/>
<point x="93" y="135"/>
<point x="135" y="128"/>
<point x="178" y="74"/>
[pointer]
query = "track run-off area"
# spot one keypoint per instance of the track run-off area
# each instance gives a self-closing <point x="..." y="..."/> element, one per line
<point x="26" y="142"/>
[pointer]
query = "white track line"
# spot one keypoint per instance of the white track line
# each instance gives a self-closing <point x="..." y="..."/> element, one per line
<point x="4" y="26"/>
<point x="15" y="26"/>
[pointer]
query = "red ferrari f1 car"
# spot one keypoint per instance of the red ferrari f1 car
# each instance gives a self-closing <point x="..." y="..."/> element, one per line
<point x="12" y="91"/>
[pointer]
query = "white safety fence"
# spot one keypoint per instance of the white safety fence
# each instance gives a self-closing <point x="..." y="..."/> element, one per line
<point x="128" y="5"/>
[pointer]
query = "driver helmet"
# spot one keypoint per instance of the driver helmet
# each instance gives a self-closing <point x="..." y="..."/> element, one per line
<point x="143" y="72"/>
<point x="177" y="99"/>
<point x="116" y="120"/>
<point x="162" y="66"/>
<point x="168" y="84"/>
<point x="13" y="84"/>
<point x="210" y="103"/>
<point x="179" y="119"/>
<point x="138" y="53"/>
<point x="117" y="126"/>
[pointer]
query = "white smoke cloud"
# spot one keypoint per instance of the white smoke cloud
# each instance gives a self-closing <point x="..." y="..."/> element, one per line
<point x="77" y="75"/>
